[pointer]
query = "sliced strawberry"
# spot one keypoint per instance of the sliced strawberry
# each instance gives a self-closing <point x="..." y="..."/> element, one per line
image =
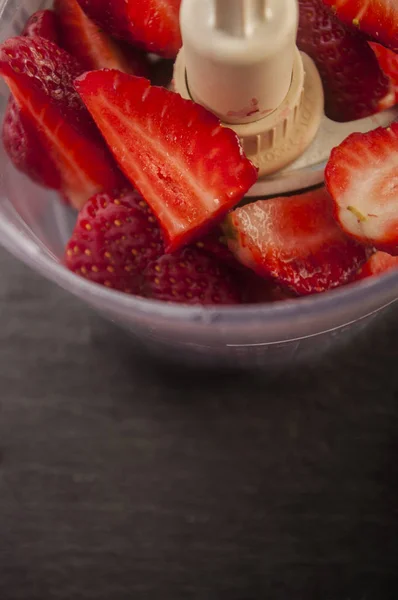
<point x="377" y="18"/>
<point x="152" y="24"/>
<point x="378" y="263"/>
<point x="388" y="61"/>
<point x="45" y="24"/>
<point x="65" y="140"/>
<point x="19" y="137"/>
<point x="362" y="177"/>
<point x="114" y="240"/>
<point x="295" y="241"/>
<point x="189" y="169"/>
<point x="354" y="84"/>
<point x="24" y="148"/>
<point x="191" y="277"/>
<point x="95" y="49"/>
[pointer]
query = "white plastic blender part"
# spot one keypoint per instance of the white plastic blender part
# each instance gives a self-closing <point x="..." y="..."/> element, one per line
<point x="239" y="59"/>
<point x="239" y="55"/>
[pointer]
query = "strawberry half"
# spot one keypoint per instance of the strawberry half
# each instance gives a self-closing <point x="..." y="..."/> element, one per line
<point x="19" y="137"/>
<point x="296" y="242"/>
<point x="362" y="178"/>
<point x="378" y="263"/>
<point x="189" y="169"/>
<point x="377" y="18"/>
<point x="191" y="277"/>
<point x="152" y="24"/>
<point x="95" y="49"/>
<point x="388" y="61"/>
<point x="114" y="240"/>
<point x="60" y="135"/>
<point x="43" y="23"/>
<point x="354" y="84"/>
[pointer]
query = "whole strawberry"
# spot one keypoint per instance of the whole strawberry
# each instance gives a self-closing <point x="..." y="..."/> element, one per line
<point x="191" y="276"/>
<point x="355" y="86"/>
<point x="114" y="240"/>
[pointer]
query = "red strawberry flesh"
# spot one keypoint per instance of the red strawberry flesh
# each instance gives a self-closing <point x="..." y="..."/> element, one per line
<point x="354" y="84"/>
<point x="388" y="61"/>
<point x="40" y="76"/>
<point x="152" y="24"/>
<point x="378" y="263"/>
<point x="43" y="23"/>
<point x="296" y="242"/>
<point x="216" y="244"/>
<point x="95" y="49"/>
<point x="190" y="170"/>
<point x="25" y="150"/>
<point x="114" y="240"/>
<point x="191" y="276"/>
<point x="377" y="18"/>
<point x="362" y="178"/>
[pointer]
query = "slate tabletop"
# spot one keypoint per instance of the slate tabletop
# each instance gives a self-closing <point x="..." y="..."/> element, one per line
<point x="122" y="479"/>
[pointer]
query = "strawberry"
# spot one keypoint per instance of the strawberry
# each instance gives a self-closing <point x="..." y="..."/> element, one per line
<point x="388" y="61"/>
<point x="377" y="18"/>
<point x="95" y="49"/>
<point x="25" y="149"/>
<point x="257" y="290"/>
<point x="19" y="137"/>
<point x="60" y="136"/>
<point x="378" y="263"/>
<point x="354" y="84"/>
<point x="43" y="23"/>
<point x="190" y="276"/>
<point x="114" y="240"/>
<point x="189" y="169"/>
<point x="216" y="244"/>
<point x="296" y="242"/>
<point x="154" y="25"/>
<point x="362" y="178"/>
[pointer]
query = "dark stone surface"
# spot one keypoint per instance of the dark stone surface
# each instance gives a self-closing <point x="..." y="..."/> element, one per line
<point x="122" y="480"/>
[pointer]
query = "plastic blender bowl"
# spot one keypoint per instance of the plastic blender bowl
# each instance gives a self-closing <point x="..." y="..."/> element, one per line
<point x="34" y="226"/>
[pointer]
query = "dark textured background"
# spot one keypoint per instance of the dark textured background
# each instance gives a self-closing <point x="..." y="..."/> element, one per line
<point x="116" y="485"/>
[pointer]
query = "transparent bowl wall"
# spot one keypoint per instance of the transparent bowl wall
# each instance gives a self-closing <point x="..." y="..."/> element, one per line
<point x="34" y="226"/>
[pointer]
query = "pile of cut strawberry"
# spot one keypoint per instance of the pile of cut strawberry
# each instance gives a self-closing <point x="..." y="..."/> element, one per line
<point x="158" y="182"/>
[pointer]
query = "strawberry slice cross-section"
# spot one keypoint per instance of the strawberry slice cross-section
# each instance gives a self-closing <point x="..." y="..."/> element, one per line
<point x="377" y="18"/>
<point x="151" y="24"/>
<point x="94" y="48"/>
<point x="388" y="61"/>
<point x="362" y="178"/>
<point x="296" y="242"/>
<point x="189" y="169"/>
<point x="57" y="126"/>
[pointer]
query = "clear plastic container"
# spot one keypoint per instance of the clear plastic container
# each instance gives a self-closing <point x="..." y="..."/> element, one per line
<point x="35" y="226"/>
